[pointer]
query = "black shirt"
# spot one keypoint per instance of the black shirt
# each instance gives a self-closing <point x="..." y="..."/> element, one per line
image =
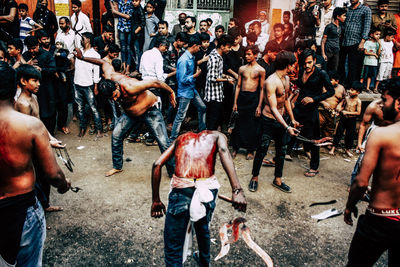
<point x="47" y="19"/>
<point x="307" y="22"/>
<point x="9" y="30"/>
<point x="269" y="68"/>
<point x="234" y="59"/>
<point x="99" y="45"/>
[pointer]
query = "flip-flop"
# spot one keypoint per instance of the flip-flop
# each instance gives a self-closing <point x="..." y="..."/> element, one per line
<point x="311" y="173"/>
<point x="268" y="163"/>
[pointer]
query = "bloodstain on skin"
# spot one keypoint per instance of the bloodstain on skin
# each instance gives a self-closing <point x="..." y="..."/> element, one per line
<point x="195" y="155"/>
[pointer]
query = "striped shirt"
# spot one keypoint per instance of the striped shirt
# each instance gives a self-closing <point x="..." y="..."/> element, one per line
<point x="25" y="25"/>
<point x="214" y="90"/>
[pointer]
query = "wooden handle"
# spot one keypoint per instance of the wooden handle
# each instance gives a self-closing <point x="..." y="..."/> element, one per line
<point x="225" y="198"/>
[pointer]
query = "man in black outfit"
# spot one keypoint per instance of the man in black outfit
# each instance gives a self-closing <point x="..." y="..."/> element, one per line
<point x="311" y="81"/>
<point x="102" y="42"/>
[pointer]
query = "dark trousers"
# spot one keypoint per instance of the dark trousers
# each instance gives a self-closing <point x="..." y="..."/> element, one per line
<point x="373" y="236"/>
<point x="62" y="94"/>
<point x="214" y="114"/>
<point x="310" y="121"/>
<point x="348" y="125"/>
<point x="50" y="123"/>
<point x="271" y="130"/>
<point x="333" y="62"/>
<point x="355" y="63"/>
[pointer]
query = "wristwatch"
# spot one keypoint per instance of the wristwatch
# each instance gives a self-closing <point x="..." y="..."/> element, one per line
<point x="237" y="190"/>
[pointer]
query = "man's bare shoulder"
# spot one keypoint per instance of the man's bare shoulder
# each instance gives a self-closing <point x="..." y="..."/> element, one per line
<point x="242" y="68"/>
<point x="23" y="122"/>
<point x="23" y="104"/>
<point x="259" y="68"/>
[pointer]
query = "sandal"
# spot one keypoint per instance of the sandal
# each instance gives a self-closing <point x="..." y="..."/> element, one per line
<point x="268" y="163"/>
<point x="253" y="185"/>
<point x="65" y="130"/>
<point x="283" y="187"/>
<point x="310" y="173"/>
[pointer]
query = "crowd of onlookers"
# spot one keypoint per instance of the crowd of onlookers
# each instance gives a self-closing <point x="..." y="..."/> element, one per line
<point x="349" y="42"/>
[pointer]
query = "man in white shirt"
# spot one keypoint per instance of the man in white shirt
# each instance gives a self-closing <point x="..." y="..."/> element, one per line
<point x="80" y="22"/>
<point x="87" y="76"/>
<point x="326" y="18"/>
<point x="66" y="35"/>
<point x="262" y="18"/>
<point x="262" y="38"/>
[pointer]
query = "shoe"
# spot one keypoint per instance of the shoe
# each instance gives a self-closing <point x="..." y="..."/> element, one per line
<point x="253" y="185"/>
<point x="283" y="187"/>
<point x="288" y="158"/>
<point x="268" y="163"/>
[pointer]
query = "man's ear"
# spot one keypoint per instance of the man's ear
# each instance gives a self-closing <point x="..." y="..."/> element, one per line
<point x="22" y="81"/>
<point x="397" y="104"/>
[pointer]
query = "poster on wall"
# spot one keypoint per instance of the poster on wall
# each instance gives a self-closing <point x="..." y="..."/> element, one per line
<point x="61" y="8"/>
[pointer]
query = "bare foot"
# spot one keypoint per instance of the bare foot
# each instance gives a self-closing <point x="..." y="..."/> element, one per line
<point x="112" y="172"/>
<point x="332" y="151"/>
<point x="308" y="154"/>
<point x="53" y="209"/>
<point x="99" y="134"/>
<point x="82" y="132"/>
<point x="250" y="156"/>
<point x="65" y="130"/>
<point x="234" y="153"/>
<point x="348" y="153"/>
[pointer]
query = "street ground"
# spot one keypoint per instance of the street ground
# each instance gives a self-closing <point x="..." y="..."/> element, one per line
<point x="108" y="223"/>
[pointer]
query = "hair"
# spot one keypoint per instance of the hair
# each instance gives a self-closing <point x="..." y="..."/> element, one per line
<point x="337" y="12"/>
<point x="117" y="64"/>
<point x="17" y="43"/>
<point x="279" y="25"/>
<point x="209" y="20"/>
<point x="23" y="6"/>
<point x="26" y="72"/>
<point x="114" y="48"/>
<point x="4" y="49"/>
<point x="64" y="46"/>
<point x="388" y="32"/>
<point x="108" y="28"/>
<point x="284" y="59"/>
<point x="42" y="33"/>
<point x="183" y="13"/>
<point x="286" y="13"/>
<point x="224" y="40"/>
<point x="107" y="87"/>
<point x="161" y="40"/>
<point x="234" y="32"/>
<point x="76" y="2"/>
<point x="235" y="20"/>
<point x="89" y="36"/>
<point x="392" y="87"/>
<point x="356" y="85"/>
<point x="255" y="23"/>
<point x="311" y="42"/>
<point x="334" y="75"/>
<point x="204" y="36"/>
<point x="203" y="20"/>
<point x="163" y="22"/>
<point x="8" y="86"/>
<point x="219" y="27"/>
<point x="66" y="19"/>
<point x="181" y="36"/>
<point x="272" y="47"/>
<point x="305" y="54"/>
<point x="151" y="2"/>
<point x="290" y="27"/>
<point x="374" y="30"/>
<point x="302" y="45"/>
<point x="31" y="41"/>
<point x="192" y="19"/>
<point x="193" y="40"/>
<point x="253" y="48"/>
<point x="252" y="37"/>
<point x="383" y="2"/>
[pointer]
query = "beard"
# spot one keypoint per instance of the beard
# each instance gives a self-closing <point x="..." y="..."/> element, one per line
<point x="390" y="113"/>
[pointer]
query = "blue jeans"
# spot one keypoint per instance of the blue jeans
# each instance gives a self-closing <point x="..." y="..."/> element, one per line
<point x="84" y="95"/>
<point x="125" y="41"/>
<point x="32" y="238"/>
<point x="138" y="52"/>
<point x="125" y="124"/>
<point x="176" y="221"/>
<point x="182" y="109"/>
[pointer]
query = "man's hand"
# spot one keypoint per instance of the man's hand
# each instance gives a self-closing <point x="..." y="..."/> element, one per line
<point x="78" y="53"/>
<point x="258" y="111"/>
<point x="234" y="107"/>
<point x="96" y="90"/>
<point x="326" y="105"/>
<point x="360" y="148"/>
<point x="197" y="74"/>
<point x="347" y="215"/>
<point x="361" y="46"/>
<point x="307" y="100"/>
<point x="64" y="188"/>
<point x="295" y="124"/>
<point x="325" y="57"/>
<point x="172" y="99"/>
<point x="157" y="209"/>
<point x="293" y="131"/>
<point x="239" y="201"/>
<point x="231" y="80"/>
<point x="57" y="143"/>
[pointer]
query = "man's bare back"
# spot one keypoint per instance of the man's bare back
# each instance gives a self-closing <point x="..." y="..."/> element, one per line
<point x="332" y="102"/>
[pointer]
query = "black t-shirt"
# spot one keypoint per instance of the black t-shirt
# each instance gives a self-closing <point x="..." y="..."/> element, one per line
<point x="269" y="68"/>
<point x="9" y="30"/>
<point x="234" y="59"/>
<point x="333" y="32"/>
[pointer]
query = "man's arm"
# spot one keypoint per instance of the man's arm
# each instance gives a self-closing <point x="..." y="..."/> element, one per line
<point x="10" y="17"/>
<point x="367" y="26"/>
<point x="367" y="118"/>
<point x="357" y="112"/>
<point x="330" y="90"/>
<point x="238" y="199"/>
<point x="361" y="182"/>
<point x="238" y="86"/>
<point x="260" y="101"/>
<point x="157" y="207"/>
<point x="137" y="87"/>
<point x="46" y="160"/>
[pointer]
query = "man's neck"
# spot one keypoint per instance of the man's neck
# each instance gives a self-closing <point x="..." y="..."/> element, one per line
<point x="252" y="63"/>
<point x="86" y="48"/>
<point x="6" y="104"/>
<point x="279" y="40"/>
<point x="47" y="49"/>
<point x="149" y="14"/>
<point x="336" y="22"/>
<point x="219" y="51"/>
<point x="77" y="13"/>
<point x="66" y="30"/>
<point x="18" y="57"/>
<point x="382" y="15"/>
<point x="328" y="7"/>
<point x="26" y="93"/>
<point x="24" y="17"/>
<point x="236" y="47"/>
<point x="281" y="73"/>
<point x="191" y="31"/>
<point x="356" y="5"/>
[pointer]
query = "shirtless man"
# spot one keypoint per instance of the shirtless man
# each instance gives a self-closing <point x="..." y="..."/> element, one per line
<point x="23" y="139"/>
<point x="274" y="127"/>
<point x="248" y="103"/>
<point x="379" y="229"/>
<point x="194" y="185"/>
<point x="328" y="111"/>
<point x="138" y="103"/>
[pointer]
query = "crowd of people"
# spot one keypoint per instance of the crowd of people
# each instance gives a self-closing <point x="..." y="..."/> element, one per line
<point x="254" y="81"/>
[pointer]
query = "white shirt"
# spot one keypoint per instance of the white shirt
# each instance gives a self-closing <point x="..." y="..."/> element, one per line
<point x="83" y="25"/>
<point x="386" y="55"/>
<point x="151" y="65"/>
<point x="261" y="42"/>
<point x="264" y="26"/>
<point x="326" y="18"/>
<point x="68" y="39"/>
<point x="86" y="74"/>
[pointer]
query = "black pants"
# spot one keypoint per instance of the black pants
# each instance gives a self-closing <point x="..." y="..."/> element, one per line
<point x="270" y="130"/>
<point x="348" y="125"/>
<point x="310" y="121"/>
<point x="373" y="236"/>
<point x="355" y="63"/>
<point x="62" y="94"/>
<point x="50" y="123"/>
<point x="214" y="114"/>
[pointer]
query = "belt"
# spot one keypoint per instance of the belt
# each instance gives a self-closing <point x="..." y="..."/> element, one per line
<point x="384" y="212"/>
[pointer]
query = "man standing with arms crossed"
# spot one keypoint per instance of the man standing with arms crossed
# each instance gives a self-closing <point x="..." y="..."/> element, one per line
<point x="379" y="229"/>
<point x="273" y="125"/>
<point x="23" y="139"/>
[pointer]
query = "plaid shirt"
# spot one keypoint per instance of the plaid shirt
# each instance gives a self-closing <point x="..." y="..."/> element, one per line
<point x="124" y="25"/>
<point x="357" y="25"/>
<point x="214" y="90"/>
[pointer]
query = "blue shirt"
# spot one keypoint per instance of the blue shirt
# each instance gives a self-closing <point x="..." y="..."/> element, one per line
<point x="124" y="25"/>
<point x="184" y="75"/>
<point x="357" y="25"/>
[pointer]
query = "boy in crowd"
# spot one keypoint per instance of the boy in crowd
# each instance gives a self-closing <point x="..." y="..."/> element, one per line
<point x="372" y="50"/>
<point x="349" y="109"/>
<point x="26" y="24"/>
<point x="201" y="58"/>
<point x="385" y="58"/>
<point x="151" y="25"/>
<point x="15" y="48"/>
<point x="330" y="45"/>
